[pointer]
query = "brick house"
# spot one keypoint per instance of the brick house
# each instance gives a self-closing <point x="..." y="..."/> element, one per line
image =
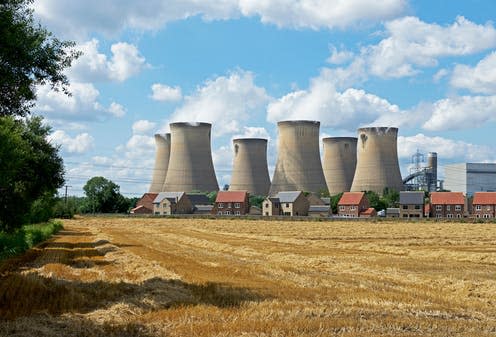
<point x="231" y="203"/>
<point x="145" y="204"/>
<point x="411" y="204"/>
<point x="447" y="204"/>
<point x="484" y="205"/>
<point x="288" y="203"/>
<point x="168" y="203"/>
<point x="352" y="204"/>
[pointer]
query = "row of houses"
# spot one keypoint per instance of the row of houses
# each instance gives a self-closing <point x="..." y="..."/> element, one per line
<point x="296" y="203"/>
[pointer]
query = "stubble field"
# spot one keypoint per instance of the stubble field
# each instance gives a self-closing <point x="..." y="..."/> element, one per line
<point x="199" y="277"/>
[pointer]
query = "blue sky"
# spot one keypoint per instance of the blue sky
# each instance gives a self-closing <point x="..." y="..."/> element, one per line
<point x="427" y="67"/>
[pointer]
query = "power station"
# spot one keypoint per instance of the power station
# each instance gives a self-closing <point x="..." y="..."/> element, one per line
<point x="250" y="170"/>
<point x="339" y="163"/>
<point x="190" y="165"/>
<point x="377" y="160"/>
<point x="298" y="166"/>
<point x="162" y="153"/>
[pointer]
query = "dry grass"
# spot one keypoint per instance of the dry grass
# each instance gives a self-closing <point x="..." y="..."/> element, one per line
<point x="173" y="277"/>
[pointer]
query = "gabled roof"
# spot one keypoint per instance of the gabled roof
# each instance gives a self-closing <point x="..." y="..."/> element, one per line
<point x="231" y="196"/>
<point x="484" y="198"/>
<point x="150" y="196"/>
<point x="447" y="198"/>
<point x="314" y="200"/>
<point x="288" y="196"/>
<point x="199" y="199"/>
<point x="412" y="198"/>
<point x="171" y="196"/>
<point x="369" y="211"/>
<point x="351" y="198"/>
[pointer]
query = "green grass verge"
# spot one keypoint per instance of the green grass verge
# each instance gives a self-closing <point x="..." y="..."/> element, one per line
<point x="12" y="244"/>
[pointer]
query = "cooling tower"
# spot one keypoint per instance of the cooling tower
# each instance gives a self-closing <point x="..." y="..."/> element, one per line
<point x="298" y="166"/>
<point x="162" y="143"/>
<point x="250" y="170"/>
<point x="190" y="164"/>
<point x="340" y="156"/>
<point x="432" y="171"/>
<point x="377" y="161"/>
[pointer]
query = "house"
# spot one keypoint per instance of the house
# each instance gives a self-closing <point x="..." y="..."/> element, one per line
<point x="412" y="204"/>
<point x="145" y="204"/>
<point x="319" y="211"/>
<point x="314" y="200"/>
<point x="201" y="203"/>
<point x="289" y="203"/>
<point x="368" y="213"/>
<point x="392" y="212"/>
<point x="484" y="205"/>
<point x="231" y="203"/>
<point x="447" y="204"/>
<point x="167" y="203"/>
<point x="352" y="204"/>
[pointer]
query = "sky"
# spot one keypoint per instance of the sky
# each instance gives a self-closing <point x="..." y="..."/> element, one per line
<point x="426" y="67"/>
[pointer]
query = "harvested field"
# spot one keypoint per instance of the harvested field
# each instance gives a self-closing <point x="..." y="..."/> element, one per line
<point x="199" y="277"/>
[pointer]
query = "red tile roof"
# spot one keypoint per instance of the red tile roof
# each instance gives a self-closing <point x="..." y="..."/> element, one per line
<point x="231" y="196"/>
<point x="484" y="198"/>
<point x="351" y="198"/>
<point x="447" y="198"/>
<point x="369" y="211"/>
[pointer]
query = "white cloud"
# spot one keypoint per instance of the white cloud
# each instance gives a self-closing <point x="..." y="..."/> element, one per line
<point x="116" y="110"/>
<point x="253" y="132"/>
<point x="164" y="93"/>
<point x="79" y="144"/>
<point x="77" y="19"/>
<point x="478" y="79"/>
<point x="460" y="112"/>
<point x="413" y="44"/>
<point x="440" y="74"/>
<point x="125" y="62"/>
<point x="323" y="102"/>
<point x="143" y="126"/>
<point x="224" y="101"/>
<point x="339" y="56"/>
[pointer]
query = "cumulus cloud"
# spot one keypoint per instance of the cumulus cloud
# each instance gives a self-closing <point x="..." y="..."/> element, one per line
<point x="412" y="44"/>
<point x="76" y="19"/>
<point x="116" y="110"/>
<point x="226" y="101"/>
<point x="81" y="143"/>
<point x="165" y="93"/>
<point x="253" y="132"/>
<point x="478" y="79"/>
<point x="460" y="112"/>
<point x="125" y="62"/>
<point x="339" y="56"/>
<point x="143" y="126"/>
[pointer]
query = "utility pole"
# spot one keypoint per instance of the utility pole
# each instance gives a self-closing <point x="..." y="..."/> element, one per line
<point x="65" y="196"/>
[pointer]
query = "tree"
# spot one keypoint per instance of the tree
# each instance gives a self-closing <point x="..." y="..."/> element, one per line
<point x="29" y="56"/>
<point x="334" y="202"/>
<point x="103" y="196"/>
<point x="30" y="168"/>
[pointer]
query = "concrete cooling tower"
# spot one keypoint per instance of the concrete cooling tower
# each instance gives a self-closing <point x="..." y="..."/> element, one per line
<point x="339" y="162"/>
<point x="377" y="160"/>
<point x="190" y="164"/>
<point x="298" y="164"/>
<point x="162" y="143"/>
<point x="250" y="170"/>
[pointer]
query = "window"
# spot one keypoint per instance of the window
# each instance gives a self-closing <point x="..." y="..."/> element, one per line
<point x="458" y="207"/>
<point x="439" y="207"/>
<point x="486" y="216"/>
<point x="449" y="215"/>
<point x="267" y="205"/>
<point x="237" y="205"/>
<point x="405" y="215"/>
<point x="266" y="213"/>
<point x="237" y="213"/>
<point x="287" y="204"/>
<point x="353" y="208"/>
<point x="458" y="215"/>
<point x="342" y="208"/>
<point x="448" y="207"/>
<point x="478" y="207"/>
<point x="219" y="213"/>
<point x="405" y="206"/>
<point x="439" y="215"/>
<point x="227" y="213"/>
<point x="477" y="216"/>
<point x="157" y="213"/>
<point x="221" y="205"/>
<point x="417" y="206"/>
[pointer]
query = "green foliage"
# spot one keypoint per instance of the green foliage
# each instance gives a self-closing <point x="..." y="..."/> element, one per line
<point x="29" y="56"/>
<point x="103" y="196"/>
<point x="324" y="193"/>
<point x="390" y="198"/>
<point x="375" y="201"/>
<point x="15" y="243"/>
<point x="42" y="208"/>
<point x="334" y="202"/>
<point x="256" y="200"/>
<point x="31" y="168"/>
<point x="212" y="196"/>
<point x="66" y="209"/>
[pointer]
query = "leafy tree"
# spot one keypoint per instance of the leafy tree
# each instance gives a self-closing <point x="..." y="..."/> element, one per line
<point x="256" y="200"/>
<point x="30" y="168"/>
<point x="212" y="196"/>
<point x="29" y="56"/>
<point x="103" y="196"/>
<point x="334" y="202"/>
<point x="390" y="197"/>
<point x="375" y="200"/>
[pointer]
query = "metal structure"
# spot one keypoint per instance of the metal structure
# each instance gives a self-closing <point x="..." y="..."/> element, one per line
<point x="377" y="160"/>
<point x="422" y="178"/>
<point x="162" y="152"/>
<point x="339" y="163"/>
<point x="298" y="166"/>
<point x="190" y="165"/>
<point x="250" y="170"/>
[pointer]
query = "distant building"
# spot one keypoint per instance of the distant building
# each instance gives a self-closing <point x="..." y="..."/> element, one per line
<point x="201" y="203"/>
<point x="319" y="211"/>
<point x="412" y="204"/>
<point x="447" y="204"/>
<point x="484" y="205"/>
<point x="392" y="212"/>
<point x="231" y="203"/>
<point x="352" y="204"/>
<point x="469" y="178"/>
<point x="168" y="203"/>
<point x="289" y="203"/>
<point x="145" y="204"/>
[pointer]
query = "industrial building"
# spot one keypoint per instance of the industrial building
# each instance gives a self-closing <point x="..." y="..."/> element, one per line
<point x="250" y="170"/>
<point x="162" y="153"/>
<point x="298" y="166"/>
<point x="339" y="163"/>
<point x="377" y="161"/>
<point x="469" y="178"/>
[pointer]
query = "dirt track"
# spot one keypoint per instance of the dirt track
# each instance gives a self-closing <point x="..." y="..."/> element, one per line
<point x="172" y="277"/>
